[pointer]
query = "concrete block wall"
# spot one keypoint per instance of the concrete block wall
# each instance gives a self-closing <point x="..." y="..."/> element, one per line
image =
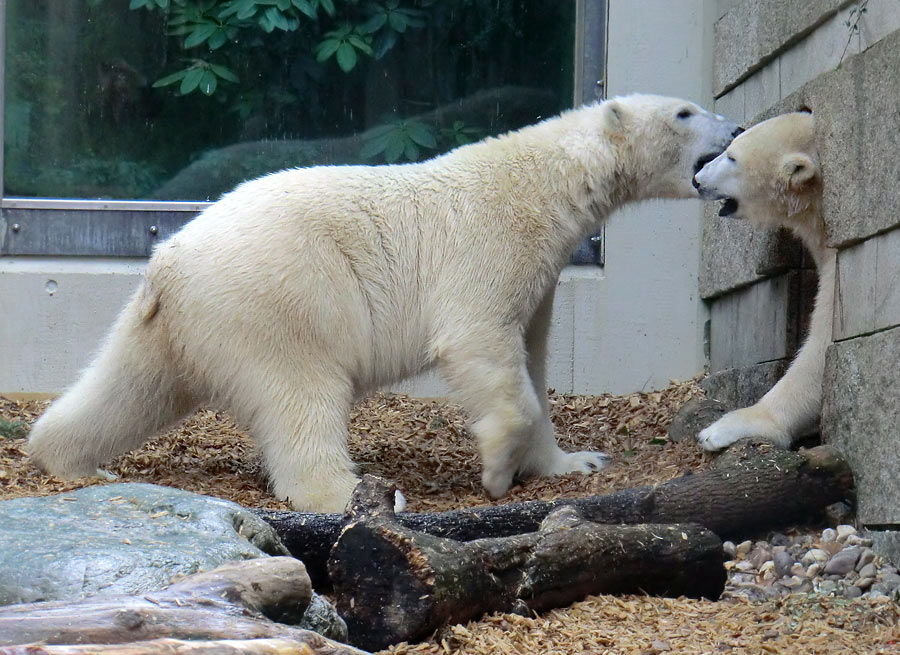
<point x="774" y="56"/>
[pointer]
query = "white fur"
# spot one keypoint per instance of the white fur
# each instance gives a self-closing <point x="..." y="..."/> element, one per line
<point x="298" y="292"/>
<point x="773" y="173"/>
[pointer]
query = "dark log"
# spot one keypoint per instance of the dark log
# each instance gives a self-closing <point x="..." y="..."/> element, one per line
<point x="394" y="584"/>
<point x="241" y="600"/>
<point x="752" y="487"/>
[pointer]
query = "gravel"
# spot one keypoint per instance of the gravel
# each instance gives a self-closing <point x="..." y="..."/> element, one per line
<point x="837" y="562"/>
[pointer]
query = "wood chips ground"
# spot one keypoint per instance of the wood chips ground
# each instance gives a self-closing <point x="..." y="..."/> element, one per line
<point x="425" y="447"/>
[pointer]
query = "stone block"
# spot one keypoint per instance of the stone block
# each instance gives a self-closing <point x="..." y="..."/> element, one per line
<point x="860" y="415"/>
<point x="741" y="387"/>
<point x="886" y="543"/>
<point x="762" y="89"/>
<point x="737" y="253"/>
<point x="819" y="52"/>
<point x="731" y="105"/>
<point x="857" y="135"/>
<point x="854" y="291"/>
<point x="752" y="32"/>
<point x="855" y="107"/>
<point x="867" y="287"/>
<point x="759" y="323"/>
<point x="880" y="19"/>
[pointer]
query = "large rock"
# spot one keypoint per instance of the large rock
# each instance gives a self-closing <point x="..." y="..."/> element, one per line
<point x="741" y="387"/>
<point x="120" y="538"/>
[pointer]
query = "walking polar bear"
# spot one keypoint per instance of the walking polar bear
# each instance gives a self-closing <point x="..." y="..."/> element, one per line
<point x="770" y="174"/>
<point x="299" y="291"/>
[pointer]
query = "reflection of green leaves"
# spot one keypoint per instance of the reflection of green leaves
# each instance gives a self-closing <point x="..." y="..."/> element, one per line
<point x="149" y="4"/>
<point x="343" y="43"/>
<point x="271" y="14"/>
<point x="459" y="134"/>
<point x="202" y="76"/>
<point x="387" y="20"/>
<point x="402" y="139"/>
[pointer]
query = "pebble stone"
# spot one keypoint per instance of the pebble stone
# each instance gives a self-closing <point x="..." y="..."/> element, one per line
<point x="729" y="549"/>
<point x="783" y="564"/>
<point x="837" y="562"/>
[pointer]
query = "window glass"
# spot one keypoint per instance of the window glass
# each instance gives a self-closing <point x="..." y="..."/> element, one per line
<point x="183" y="99"/>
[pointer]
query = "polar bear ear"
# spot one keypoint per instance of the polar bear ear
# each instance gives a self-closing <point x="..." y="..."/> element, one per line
<point x="797" y="169"/>
<point x="614" y="113"/>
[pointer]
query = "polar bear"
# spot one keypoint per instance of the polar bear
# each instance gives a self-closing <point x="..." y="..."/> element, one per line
<point x="297" y="292"/>
<point x="770" y="175"/>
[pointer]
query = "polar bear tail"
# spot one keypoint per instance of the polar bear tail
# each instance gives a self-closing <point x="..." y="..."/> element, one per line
<point x="129" y="392"/>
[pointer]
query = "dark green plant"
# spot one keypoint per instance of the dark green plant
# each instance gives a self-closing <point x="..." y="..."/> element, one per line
<point x="852" y="23"/>
<point x="13" y="429"/>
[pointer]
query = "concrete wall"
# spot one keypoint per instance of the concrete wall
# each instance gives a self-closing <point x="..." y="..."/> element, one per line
<point x="773" y="56"/>
<point x="635" y="324"/>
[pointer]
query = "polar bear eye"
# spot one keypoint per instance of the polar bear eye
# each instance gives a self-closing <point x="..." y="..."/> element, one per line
<point x="730" y="157"/>
<point x="684" y="114"/>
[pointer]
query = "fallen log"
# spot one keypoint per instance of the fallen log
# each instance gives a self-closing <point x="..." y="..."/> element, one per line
<point x="752" y="487"/>
<point x="394" y="584"/>
<point x="252" y="599"/>
<point x="181" y="647"/>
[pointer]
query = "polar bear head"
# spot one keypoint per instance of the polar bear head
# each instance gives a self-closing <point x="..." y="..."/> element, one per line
<point x="662" y="142"/>
<point x="769" y="174"/>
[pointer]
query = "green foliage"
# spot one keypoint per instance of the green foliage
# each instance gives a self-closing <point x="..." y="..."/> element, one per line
<point x="343" y="43"/>
<point x="13" y="429"/>
<point x="400" y="139"/>
<point x="200" y="75"/>
<point x="111" y="99"/>
<point x="217" y="24"/>
<point x="389" y="20"/>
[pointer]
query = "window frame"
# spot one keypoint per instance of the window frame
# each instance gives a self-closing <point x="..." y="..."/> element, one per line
<point x="61" y="227"/>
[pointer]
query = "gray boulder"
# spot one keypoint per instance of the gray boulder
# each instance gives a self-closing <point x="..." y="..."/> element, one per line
<point x="130" y="538"/>
<point x="120" y="538"/>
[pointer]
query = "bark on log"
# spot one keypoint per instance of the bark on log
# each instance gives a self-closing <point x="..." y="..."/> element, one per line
<point x="182" y="647"/>
<point x="752" y="487"/>
<point x="394" y="584"/>
<point x="241" y="600"/>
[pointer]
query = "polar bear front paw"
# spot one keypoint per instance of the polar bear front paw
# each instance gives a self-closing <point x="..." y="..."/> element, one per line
<point x="584" y="461"/>
<point x="741" y="424"/>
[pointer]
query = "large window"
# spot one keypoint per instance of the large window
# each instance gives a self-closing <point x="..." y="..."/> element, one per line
<point x="180" y="100"/>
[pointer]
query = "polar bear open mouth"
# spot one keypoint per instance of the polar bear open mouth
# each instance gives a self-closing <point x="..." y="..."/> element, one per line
<point x="704" y="160"/>
<point x="729" y="207"/>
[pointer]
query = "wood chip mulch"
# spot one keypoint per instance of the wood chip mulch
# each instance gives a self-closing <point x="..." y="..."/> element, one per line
<point x="424" y="446"/>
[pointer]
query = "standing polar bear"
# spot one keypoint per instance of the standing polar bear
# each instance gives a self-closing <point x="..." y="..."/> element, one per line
<point x="299" y="291"/>
<point x="770" y="175"/>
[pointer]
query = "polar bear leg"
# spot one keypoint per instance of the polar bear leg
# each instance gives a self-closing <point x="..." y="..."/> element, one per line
<point x="488" y="374"/>
<point x="791" y="408"/>
<point x="302" y="432"/>
<point x="543" y="455"/>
